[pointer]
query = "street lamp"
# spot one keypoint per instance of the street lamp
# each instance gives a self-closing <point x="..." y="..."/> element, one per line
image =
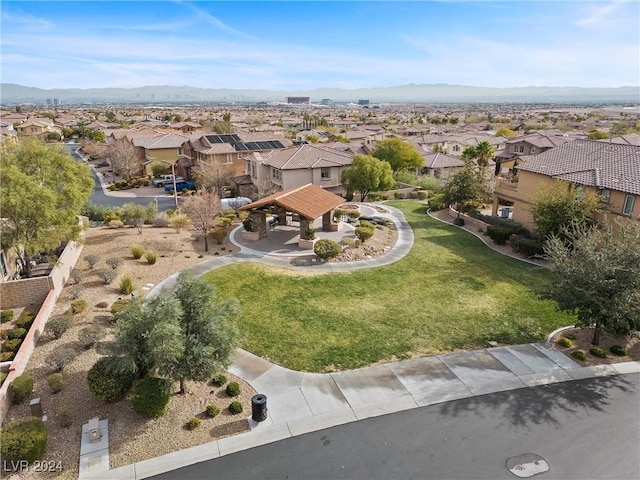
<point x="173" y="174"/>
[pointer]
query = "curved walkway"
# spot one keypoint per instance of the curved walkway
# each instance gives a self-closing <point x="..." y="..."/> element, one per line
<point x="301" y="402"/>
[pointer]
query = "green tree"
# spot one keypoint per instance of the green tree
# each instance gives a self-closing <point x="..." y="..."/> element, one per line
<point x="42" y="191"/>
<point x="554" y="209"/>
<point x="466" y="189"/>
<point x="505" y="132"/>
<point x="209" y="333"/>
<point x="187" y="335"/>
<point x="367" y="174"/>
<point x="597" y="276"/>
<point x="481" y="154"/>
<point x="598" y="135"/>
<point x="399" y="154"/>
<point x="619" y="128"/>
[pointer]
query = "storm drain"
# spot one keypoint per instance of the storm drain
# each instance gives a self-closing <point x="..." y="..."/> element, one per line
<point x="527" y="465"/>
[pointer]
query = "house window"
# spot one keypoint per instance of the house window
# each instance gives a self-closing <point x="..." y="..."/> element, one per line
<point x="605" y="195"/>
<point x="276" y="174"/>
<point x="521" y="149"/>
<point x="325" y="173"/>
<point x="180" y="151"/>
<point x="3" y="266"/>
<point x="628" y="205"/>
<point x="533" y="150"/>
<point x="229" y="158"/>
<point x="253" y="169"/>
<point x="456" y="148"/>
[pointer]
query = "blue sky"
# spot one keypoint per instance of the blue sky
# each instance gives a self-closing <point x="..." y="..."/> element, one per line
<point x="279" y="45"/>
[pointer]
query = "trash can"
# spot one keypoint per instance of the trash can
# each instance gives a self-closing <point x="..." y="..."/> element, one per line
<point x="505" y="212"/>
<point x="259" y="408"/>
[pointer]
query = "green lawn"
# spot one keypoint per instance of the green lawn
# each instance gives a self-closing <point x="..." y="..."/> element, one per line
<point x="450" y="292"/>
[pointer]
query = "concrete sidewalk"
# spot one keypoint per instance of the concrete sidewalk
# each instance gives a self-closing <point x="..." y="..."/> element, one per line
<point x="301" y="402"/>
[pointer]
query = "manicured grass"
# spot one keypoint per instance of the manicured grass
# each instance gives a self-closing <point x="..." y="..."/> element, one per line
<point x="450" y="292"/>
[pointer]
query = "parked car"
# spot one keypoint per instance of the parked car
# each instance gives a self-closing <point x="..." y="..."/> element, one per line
<point x="182" y="185"/>
<point x="234" y="203"/>
<point x="166" y="180"/>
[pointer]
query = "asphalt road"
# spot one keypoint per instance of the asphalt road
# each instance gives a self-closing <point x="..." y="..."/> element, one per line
<point x="585" y="429"/>
<point x="99" y="198"/>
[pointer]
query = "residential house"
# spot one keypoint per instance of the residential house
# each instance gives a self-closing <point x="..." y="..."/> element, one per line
<point x="508" y="158"/>
<point x="187" y="127"/>
<point x="7" y="132"/>
<point x="440" y="165"/>
<point x="608" y="169"/>
<point x="163" y="149"/>
<point x="297" y="166"/>
<point x="456" y="145"/>
<point x="36" y="127"/>
<point x="227" y="151"/>
<point x="629" y="139"/>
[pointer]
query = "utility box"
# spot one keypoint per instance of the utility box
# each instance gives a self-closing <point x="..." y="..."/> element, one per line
<point x="36" y="408"/>
<point x="505" y="212"/>
<point x="94" y="430"/>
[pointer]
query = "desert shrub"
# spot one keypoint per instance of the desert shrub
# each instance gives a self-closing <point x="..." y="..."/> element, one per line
<point x="233" y="389"/>
<point x="421" y="195"/>
<point x="499" y="234"/>
<point x="6" y="316"/>
<point x="219" y="380"/>
<point x="57" y="325"/>
<point x="76" y="276"/>
<point x="3" y="376"/>
<point x="65" y="417"/>
<point x="137" y="251"/>
<point x="92" y="260"/>
<point x="60" y="358"/>
<point x="515" y="227"/>
<point x="109" y="380"/>
<point x="212" y="411"/>
<point x="107" y="276"/>
<point x="598" y="352"/>
<point x="248" y="224"/>
<point x="25" y="319"/>
<point x="116" y="223"/>
<point x="11" y="345"/>
<point x="102" y="304"/>
<point x="179" y="221"/>
<point x="78" y="306"/>
<point x="529" y="247"/>
<point x="126" y="285"/>
<point x="579" y="355"/>
<point x="14" y="333"/>
<point x="74" y="292"/>
<point x="192" y="424"/>
<point x="114" y="262"/>
<point x="364" y="233"/>
<point x="437" y="202"/>
<point x="224" y="222"/>
<point x="151" y="397"/>
<point x="91" y="335"/>
<point x="350" y="242"/>
<point x="120" y="305"/>
<point x="618" y="350"/>
<point x="21" y="388"/>
<point x="6" y="356"/>
<point x="235" y="408"/>
<point x="151" y="258"/>
<point x="459" y="221"/>
<point x="565" y="342"/>
<point x="326" y="248"/>
<point x="3" y="334"/>
<point x="23" y="440"/>
<point x="219" y="234"/>
<point x="161" y="220"/>
<point x="367" y="224"/>
<point x="55" y="382"/>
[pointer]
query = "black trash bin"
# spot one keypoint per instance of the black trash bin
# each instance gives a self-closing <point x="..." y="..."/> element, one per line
<point x="259" y="408"/>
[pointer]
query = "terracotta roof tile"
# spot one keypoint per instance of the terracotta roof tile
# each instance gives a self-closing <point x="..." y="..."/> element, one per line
<point x="310" y="201"/>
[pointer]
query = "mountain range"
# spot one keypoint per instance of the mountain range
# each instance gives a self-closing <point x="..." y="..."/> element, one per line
<point x="426" y="93"/>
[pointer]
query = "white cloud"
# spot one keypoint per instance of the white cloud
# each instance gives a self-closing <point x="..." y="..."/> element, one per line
<point x="601" y="15"/>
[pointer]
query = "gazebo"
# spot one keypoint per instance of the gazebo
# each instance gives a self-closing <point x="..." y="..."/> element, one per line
<point x="309" y="202"/>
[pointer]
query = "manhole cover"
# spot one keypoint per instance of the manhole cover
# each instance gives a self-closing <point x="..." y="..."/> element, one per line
<point x="527" y="465"/>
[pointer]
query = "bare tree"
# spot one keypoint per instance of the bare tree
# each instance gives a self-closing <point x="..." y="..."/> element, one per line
<point x="124" y="159"/>
<point x="202" y="209"/>
<point x="265" y="188"/>
<point x="211" y="174"/>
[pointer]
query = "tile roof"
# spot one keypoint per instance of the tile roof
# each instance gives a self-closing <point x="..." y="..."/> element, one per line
<point x="171" y="140"/>
<point x="541" y="140"/>
<point x="590" y="163"/>
<point x="630" y="139"/>
<point x="306" y="156"/>
<point x="310" y="201"/>
<point x="441" y="160"/>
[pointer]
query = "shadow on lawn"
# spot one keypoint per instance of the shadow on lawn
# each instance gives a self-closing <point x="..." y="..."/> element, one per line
<point x="540" y="405"/>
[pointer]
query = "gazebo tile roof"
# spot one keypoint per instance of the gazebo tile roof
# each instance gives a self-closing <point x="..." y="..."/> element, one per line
<point x="310" y="201"/>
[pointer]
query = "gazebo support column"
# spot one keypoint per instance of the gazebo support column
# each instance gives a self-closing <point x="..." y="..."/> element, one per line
<point x="327" y="226"/>
<point x="304" y="242"/>
<point x="282" y="216"/>
<point x="259" y="220"/>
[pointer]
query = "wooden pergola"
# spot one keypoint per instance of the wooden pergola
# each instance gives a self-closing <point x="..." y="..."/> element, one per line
<point x="309" y="202"/>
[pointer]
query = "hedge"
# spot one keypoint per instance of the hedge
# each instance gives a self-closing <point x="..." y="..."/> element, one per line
<point x="21" y="388"/>
<point x="23" y="440"/>
<point x="499" y="234"/>
<point x="151" y="397"/>
<point x="108" y="380"/>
